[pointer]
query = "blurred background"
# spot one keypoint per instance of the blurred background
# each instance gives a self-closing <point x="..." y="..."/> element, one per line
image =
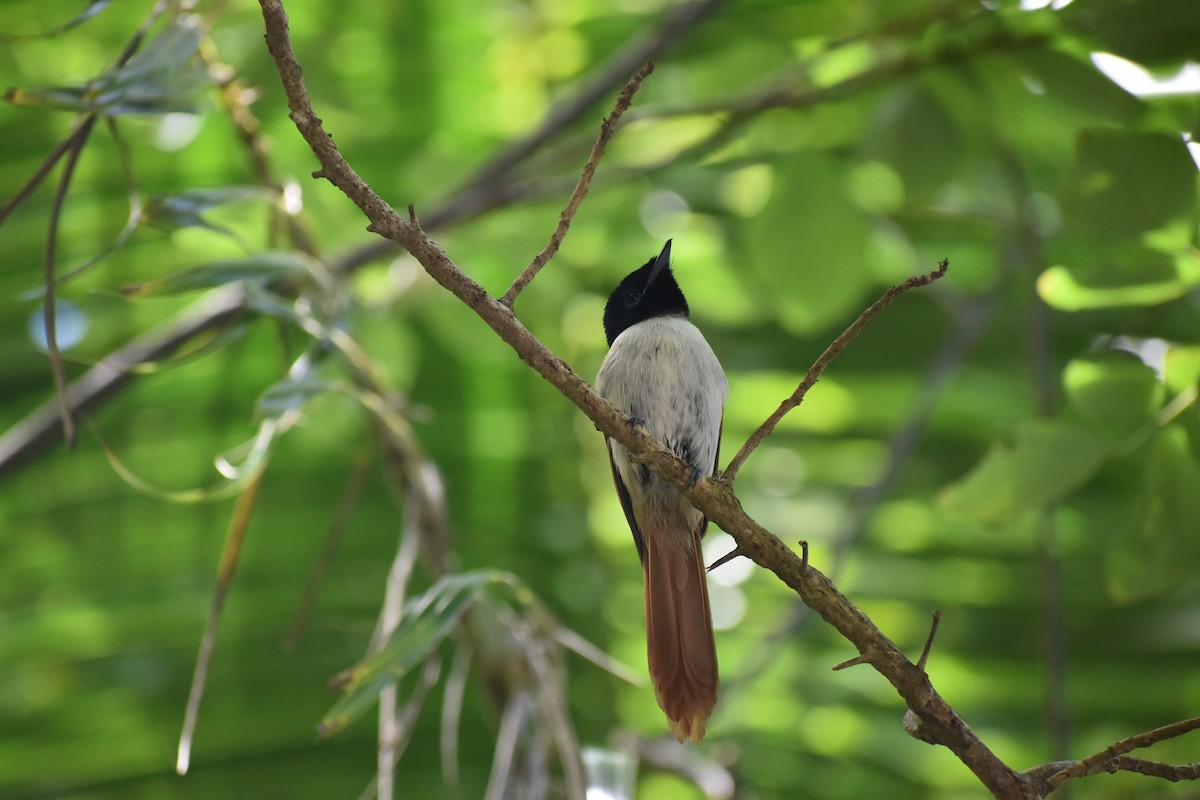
<point x="295" y="431"/>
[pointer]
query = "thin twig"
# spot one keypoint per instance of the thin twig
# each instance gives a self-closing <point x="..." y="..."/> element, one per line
<point x="1025" y="258"/>
<point x="826" y="358"/>
<point x="48" y="304"/>
<point x="937" y="618"/>
<point x="42" y="171"/>
<point x="970" y="323"/>
<point x="1093" y="762"/>
<point x="607" y="128"/>
<point x="132" y="222"/>
<point x="1155" y="769"/>
<point x="451" y="717"/>
<point x="851" y="662"/>
<point x="725" y="559"/>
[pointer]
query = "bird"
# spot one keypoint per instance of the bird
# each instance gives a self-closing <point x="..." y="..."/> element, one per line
<point x="663" y="375"/>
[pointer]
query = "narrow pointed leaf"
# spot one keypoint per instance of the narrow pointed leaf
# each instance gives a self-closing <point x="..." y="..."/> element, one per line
<point x="427" y="621"/>
<point x="289" y="394"/>
<point x="1049" y="461"/>
<point x="259" y="268"/>
<point x="165" y="77"/>
<point x="187" y="209"/>
<point x="93" y="8"/>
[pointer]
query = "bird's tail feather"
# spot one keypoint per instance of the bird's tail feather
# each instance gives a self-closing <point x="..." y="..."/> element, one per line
<point x="679" y="634"/>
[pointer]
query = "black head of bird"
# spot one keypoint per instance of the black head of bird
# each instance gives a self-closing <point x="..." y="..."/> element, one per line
<point x="649" y="291"/>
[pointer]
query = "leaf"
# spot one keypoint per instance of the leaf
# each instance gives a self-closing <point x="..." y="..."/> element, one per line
<point x="810" y="213"/>
<point x="253" y="456"/>
<point x="162" y="78"/>
<point x="260" y="268"/>
<point x="1159" y="32"/>
<point x="235" y="537"/>
<point x="1181" y="368"/>
<point x="427" y="621"/>
<point x="1163" y="546"/>
<point x="1124" y="183"/>
<point x="93" y="8"/>
<point x="916" y="136"/>
<point x="1114" y="392"/>
<point x="187" y="209"/>
<point x="290" y="394"/>
<point x="1048" y="462"/>
<point x="1078" y="83"/>
<point x="1123" y="274"/>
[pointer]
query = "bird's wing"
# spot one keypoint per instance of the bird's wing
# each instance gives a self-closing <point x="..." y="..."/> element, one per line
<point x="626" y="502"/>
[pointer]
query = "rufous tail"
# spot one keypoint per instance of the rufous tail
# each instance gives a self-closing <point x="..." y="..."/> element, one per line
<point x="679" y="634"/>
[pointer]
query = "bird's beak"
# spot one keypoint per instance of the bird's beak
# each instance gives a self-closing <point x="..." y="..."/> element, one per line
<point x="660" y="263"/>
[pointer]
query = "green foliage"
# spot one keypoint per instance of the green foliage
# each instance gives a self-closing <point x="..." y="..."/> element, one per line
<point x="1017" y="445"/>
<point x="160" y="79"/>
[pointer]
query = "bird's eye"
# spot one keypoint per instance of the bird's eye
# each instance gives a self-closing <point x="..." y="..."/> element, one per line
<point x="632" y="298"/>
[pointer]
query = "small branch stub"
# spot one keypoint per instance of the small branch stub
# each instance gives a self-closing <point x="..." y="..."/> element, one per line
<point x="937" y="619"/>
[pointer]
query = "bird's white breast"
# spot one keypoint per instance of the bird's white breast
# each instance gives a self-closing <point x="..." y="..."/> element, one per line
<point x="663" y="373"/>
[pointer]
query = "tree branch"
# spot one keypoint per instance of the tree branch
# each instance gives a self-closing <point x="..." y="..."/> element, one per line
<point x="1112" y="758"/>
<point x="714" y="498"/>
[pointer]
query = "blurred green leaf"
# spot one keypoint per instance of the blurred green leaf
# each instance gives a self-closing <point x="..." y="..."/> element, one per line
<point x="426" y="623"/>
<point x="1048" y="461"/>
<point x="1078" y="83"/>
<point x="1181" y="369"/>
<point x="259" y="268"/>
<point x="93" y="8"/>
<point x="163" y="77"/>
<point x="1128" y="274"/>
<point x="1125" y="183"/>
<point x="251" y="459"/>
<point x="809" y="244"/>
<point x="1150" y="32"/>
<point x="290" y="394"/>
<point x="1114" y="392"/>
<point x="1163" y="547"/>
<point x="187" y="208"/>
<point x="913" y="133"/>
